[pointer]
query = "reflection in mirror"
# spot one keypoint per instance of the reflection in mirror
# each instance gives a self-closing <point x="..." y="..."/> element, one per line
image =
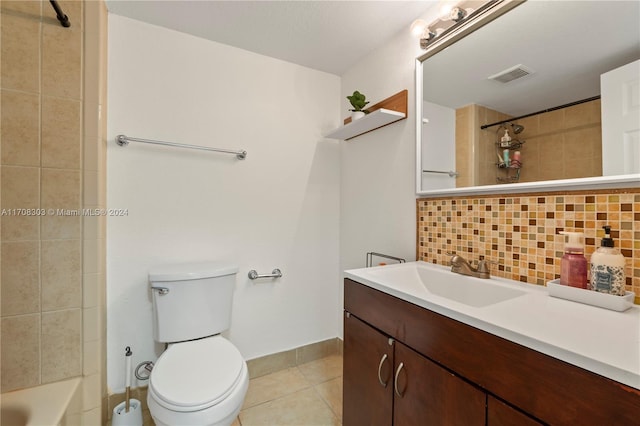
<point x="535" y="95"/>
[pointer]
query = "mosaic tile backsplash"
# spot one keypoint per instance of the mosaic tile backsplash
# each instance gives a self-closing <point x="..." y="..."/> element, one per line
<point x="521" y="232"/>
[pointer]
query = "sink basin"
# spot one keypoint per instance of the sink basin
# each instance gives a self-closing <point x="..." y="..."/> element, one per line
<point x="422" y="279"/>
<point x="468" y="290"/>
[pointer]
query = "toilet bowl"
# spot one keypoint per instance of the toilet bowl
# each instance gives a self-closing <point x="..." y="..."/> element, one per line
<point x="201" y="378"/>
<point x="201" y="383"/>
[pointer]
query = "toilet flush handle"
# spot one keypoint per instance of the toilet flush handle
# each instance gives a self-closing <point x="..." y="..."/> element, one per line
<point x="161" y="290"/>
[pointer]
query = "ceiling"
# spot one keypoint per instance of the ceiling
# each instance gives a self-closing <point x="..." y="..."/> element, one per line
<point x="329" y="36"/>
<point x="567" y="43"/>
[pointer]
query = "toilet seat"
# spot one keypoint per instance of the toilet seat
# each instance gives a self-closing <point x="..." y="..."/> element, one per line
<point x="195" y="375"/>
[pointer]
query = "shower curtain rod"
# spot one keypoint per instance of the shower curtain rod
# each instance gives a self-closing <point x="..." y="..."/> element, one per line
<point x="64" y="19"/>
<point x="540" y="112"/>
<point x="123" y="140"/>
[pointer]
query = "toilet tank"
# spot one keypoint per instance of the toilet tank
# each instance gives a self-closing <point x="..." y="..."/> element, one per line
<point x="191" y="300"/>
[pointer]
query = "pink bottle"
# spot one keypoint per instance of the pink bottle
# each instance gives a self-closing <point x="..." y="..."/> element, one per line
<point x="573" y="266"/>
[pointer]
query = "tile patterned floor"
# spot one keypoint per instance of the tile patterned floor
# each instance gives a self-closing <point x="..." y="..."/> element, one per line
<point x="306" y="395"/>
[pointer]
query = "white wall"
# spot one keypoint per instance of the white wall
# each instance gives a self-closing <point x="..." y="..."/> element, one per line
<point x="377" y="194"/>
<point x="278" y="208"/>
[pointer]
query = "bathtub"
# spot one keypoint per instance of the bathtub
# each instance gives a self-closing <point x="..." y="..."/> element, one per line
<point x="56" y="403"/>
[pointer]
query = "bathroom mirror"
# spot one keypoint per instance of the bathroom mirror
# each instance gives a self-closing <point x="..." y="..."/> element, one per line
<point x="560" y="50"/>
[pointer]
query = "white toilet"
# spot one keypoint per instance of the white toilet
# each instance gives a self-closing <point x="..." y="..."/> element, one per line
<point x="201" y="378"/>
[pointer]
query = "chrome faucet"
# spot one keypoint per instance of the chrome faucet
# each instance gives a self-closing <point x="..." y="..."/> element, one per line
<point x="460" y="266"/>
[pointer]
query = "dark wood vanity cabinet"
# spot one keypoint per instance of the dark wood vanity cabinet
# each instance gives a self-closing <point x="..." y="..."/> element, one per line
<point x="368" y="355"/>
<point x="455" y="374"/>
<point x="501" y="414"/>
<point x="389" y="383"/>
<point x="429" y="394"/>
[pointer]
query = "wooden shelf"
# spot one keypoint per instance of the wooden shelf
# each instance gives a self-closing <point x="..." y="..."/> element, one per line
<point x="383" y="113"/>
<point x="369" y="122"/>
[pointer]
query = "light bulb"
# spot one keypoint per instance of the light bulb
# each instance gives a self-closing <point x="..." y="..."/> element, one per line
<point x="445" y="11"/>
<point x="417" y="27"/>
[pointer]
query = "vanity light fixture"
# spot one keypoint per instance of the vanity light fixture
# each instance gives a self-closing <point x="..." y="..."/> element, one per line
<point x="458" y="14"/>
<point x="428" y="35"/>
<point x="450" y="16"/>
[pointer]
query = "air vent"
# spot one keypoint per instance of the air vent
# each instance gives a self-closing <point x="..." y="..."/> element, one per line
<point x="512" y="73"/>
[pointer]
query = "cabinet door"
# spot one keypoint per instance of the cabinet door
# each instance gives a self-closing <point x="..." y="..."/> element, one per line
<point x="501" y="414"/>
<point x="367" y="376"/>
<point x="427" y="394"/>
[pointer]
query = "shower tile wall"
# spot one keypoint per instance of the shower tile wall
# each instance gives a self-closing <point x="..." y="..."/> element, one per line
<point x="561" y="144"/>
<point x="520" y="232"/>
<point x="50" y="149"/>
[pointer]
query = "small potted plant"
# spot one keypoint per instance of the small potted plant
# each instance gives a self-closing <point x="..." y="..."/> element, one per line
<point x="358" y="102"/>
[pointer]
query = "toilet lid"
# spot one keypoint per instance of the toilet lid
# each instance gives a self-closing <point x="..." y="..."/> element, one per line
<point x="197" y="374"/>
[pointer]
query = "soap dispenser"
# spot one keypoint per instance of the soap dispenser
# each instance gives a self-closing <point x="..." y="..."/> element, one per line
<point x="573" y="266"/>
<point x="607" y="267"/>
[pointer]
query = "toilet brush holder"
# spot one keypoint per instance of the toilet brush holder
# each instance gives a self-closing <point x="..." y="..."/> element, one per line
<point x="123" y="418"/>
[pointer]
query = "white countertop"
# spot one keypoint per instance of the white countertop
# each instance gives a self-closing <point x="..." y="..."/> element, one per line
<point x="596" y="339"/>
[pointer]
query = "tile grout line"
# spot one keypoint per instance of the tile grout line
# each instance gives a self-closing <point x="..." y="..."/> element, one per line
<point x="325" y="401"/>
<point x="308" y="384"/>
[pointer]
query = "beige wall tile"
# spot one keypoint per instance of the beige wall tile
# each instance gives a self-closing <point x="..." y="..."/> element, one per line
<point x="92" y="324"/>
<point x="60" y="226"/>
<point x="93" y="258"/>
<point x="464" y="147"/>
<point x="73" y="414"/>
<point x="597" y="162"/>
<point x="61" y="344"/>
<point x="20" y="190"/>
<point x="20" y="352"/>
<point x="94" y="227"/>
<point x="71" y="8"/>
<point x="316" y="351"/>
<point x="92" y="417"/>
<point x="20" y="53"/>
<point x="61" y="274"/>
<point x="39" y="56"/>
<point x="577" y="144"/>
<point x="90" y="150"/>
<point x="61" y="133"/>
<point x="93" y="53"/>
<point x="20" y="277"/>
<point x="20" y="129"/>
<point x="91" y="358"/>
<point x="271" y="363"/>
<point x="61" y="189"/>
<point x="61" y="61"/>
<point x="553" y="121"/>
<point x="32" y="8"/>
<point x="90" y="290"/>
<point x="578" y="167"/>
<point x="582" y="114"/>
<point x="91" y="189"/>
<point x="91" y="392"/>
